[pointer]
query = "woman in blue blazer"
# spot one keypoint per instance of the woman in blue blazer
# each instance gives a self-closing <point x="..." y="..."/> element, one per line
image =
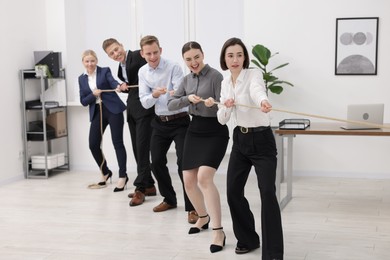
<point x="105" y="108"/>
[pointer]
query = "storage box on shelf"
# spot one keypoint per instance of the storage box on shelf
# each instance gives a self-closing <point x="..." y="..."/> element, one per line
<point x="38" y="162"/>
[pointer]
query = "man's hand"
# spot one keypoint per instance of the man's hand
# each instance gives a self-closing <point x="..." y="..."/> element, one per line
<point x="123" y="87"/>
<point x="157" y="92"/>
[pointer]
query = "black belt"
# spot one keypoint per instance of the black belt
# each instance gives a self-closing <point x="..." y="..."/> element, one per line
<point x="246" y="130"/>
<point x="172" y="117"/>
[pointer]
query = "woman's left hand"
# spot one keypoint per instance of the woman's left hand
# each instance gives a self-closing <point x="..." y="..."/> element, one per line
<point x="209" y="102"/>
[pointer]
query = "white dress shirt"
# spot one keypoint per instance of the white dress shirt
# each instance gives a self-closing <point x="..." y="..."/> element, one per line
<point x="167" y="74"/>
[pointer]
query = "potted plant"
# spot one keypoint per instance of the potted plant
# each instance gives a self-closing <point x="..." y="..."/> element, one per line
<point x="262" y="56"/>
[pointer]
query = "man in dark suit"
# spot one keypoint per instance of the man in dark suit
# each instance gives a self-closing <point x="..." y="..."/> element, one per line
<point x="138" y="118"/>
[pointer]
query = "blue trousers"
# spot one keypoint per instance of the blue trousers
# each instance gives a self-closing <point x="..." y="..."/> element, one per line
<point x="115" y="121"/>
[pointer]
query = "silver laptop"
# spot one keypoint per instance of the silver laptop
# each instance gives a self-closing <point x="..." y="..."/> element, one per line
<point x="368" y="113"/>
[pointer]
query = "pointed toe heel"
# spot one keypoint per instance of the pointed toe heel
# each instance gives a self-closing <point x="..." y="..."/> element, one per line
<point x="124" y="186"/>
<point x="216" y="248"/>
<point x="106" y="177"/>
<point x="194" y="230"/>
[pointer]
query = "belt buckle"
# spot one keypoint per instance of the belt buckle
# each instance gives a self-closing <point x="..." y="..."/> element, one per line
<point x="166" y="118"/>
<point x="244" y="130"/>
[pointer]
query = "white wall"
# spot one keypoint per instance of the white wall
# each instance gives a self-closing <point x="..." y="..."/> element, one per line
<point x="303" y="32"/>
<point x="304" y="38"/>
<point x="22" y="30"/>
<point x="171" y="26"/>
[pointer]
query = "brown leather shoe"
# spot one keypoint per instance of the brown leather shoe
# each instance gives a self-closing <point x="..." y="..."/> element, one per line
<point x="137" y="199"/>
<point x="148" y="192"/>
<point x="163" y="206"/>
<point x="192" y="217"/>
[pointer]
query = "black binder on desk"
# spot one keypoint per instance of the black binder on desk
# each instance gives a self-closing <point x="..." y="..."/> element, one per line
<point x="294" y="124"/>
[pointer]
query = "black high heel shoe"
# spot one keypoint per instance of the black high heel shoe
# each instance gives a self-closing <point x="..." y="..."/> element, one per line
<point x="121" y="189"/>
<point x="216" y="248"/>
<point x="106" y="177"/>
<point x="194" y="230"/>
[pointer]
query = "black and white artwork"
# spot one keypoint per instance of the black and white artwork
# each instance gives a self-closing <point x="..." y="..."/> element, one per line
<point x="356" y="46"/>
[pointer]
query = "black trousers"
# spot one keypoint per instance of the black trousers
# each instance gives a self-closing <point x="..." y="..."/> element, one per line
<point x="116" y="122"/>
<point x="256" y="149"/>
<point x="140" y="133"/>
<point x="164" y="133"/>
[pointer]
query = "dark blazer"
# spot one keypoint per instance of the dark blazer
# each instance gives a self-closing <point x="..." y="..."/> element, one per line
<point x="134" y="62"/>
<point x="104" y="80"/>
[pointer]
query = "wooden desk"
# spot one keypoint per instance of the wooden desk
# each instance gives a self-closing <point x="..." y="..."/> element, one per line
<point x="314" y="129"/>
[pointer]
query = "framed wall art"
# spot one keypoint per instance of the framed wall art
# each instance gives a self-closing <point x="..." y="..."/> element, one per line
<point x="356" y="46"/>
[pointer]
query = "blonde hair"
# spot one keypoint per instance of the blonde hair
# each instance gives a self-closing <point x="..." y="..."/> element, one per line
<point x="89" y="53"/>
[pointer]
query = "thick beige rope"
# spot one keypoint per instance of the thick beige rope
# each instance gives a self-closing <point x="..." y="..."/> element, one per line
<point x="113" y="90"/>
<point x="95" y="185"/>
<point x="314" y="116"/>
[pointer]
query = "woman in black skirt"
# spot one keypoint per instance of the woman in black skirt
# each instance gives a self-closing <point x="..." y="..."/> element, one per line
<point x="206" y="140"/>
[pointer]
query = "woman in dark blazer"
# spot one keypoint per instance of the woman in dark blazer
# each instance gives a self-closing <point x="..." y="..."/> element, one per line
<point x="105" y="108"/>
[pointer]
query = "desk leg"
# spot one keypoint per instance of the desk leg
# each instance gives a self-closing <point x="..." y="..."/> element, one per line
<point x="280" y="164"/>
<point x="283" y="202"/>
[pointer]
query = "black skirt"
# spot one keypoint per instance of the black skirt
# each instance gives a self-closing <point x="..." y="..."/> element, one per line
<point x="205" y="143"/>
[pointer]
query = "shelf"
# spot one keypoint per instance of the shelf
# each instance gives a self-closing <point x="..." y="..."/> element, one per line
<point x="42" y="140"/>
<point x="46" y="98"/>
<point x="41" y="174"/>
<point x="30" y="74"/>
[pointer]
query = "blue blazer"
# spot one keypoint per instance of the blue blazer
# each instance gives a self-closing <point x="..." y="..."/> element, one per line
<point x="104" y="80"/>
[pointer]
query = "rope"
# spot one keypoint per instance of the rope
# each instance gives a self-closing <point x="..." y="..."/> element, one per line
<point x="101" y="133"/>
<point x="312" y="115"/>
<point x="113" y="90"/>
<point x="95" y="185"/>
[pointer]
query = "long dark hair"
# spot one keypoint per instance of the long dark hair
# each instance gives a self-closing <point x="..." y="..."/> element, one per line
<point x="232" y="42"/>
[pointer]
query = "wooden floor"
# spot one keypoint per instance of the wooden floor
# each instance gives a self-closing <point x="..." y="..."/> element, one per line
<point x="59" y="218"/>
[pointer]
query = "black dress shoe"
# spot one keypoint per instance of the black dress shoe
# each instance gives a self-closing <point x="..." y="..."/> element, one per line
<point x="244" y="250"/>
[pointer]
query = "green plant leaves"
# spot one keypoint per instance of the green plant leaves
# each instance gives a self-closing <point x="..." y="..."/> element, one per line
<point x="261" y="53"/>
<point x="262" y="56"/>
<point x="258" y="64"/>
<point x="276" y="89"/>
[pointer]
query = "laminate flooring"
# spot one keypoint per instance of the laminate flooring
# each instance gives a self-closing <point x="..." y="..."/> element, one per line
<point x="59" y="218"/>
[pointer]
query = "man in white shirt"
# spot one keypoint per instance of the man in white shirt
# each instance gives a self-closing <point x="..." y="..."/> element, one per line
<point x="157" y="79"/>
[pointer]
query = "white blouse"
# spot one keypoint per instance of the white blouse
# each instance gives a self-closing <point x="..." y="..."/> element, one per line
<point x="249" y="91"/>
